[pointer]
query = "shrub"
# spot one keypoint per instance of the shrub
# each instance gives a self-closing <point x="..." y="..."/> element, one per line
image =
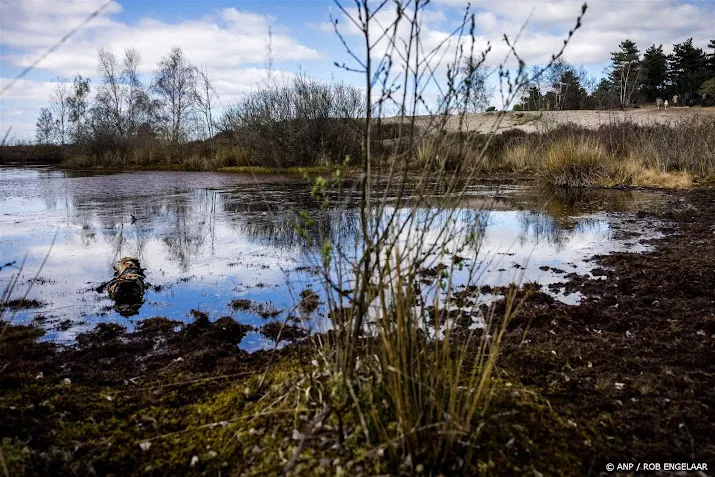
<point x="299" y="122"/>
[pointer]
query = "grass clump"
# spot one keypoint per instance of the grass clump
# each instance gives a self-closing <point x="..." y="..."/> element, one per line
<point x="585" y="162"/>
<point x="575" y="162"/>
<point x="517" y="157"/>
<point x="571" y="157"/>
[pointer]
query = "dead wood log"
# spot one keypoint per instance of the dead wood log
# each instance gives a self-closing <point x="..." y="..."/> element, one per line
<point x="127" y="287"/>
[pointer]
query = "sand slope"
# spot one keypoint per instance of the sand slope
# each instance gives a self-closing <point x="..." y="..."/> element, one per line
<point x="540" y="121"/>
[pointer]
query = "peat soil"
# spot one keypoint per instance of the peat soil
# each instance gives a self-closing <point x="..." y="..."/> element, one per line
<point x="635" y="360"/>
<point x="628" y="375"/>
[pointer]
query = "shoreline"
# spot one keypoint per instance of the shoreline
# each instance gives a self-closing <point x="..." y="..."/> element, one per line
<point x="627" y="375"/>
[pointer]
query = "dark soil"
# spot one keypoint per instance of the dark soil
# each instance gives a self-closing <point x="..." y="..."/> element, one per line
<point x="20" y="304"/>
<point x="635" y="361"/>
<point x="626" y="376"/>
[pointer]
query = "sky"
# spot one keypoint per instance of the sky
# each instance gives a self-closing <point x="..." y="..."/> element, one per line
<point x="229" y="39"/>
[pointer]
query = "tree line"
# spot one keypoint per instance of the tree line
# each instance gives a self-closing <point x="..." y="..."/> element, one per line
<point x="281" y="123"/>
<point x="177" y="105"/>
<point x="631" y="78"/>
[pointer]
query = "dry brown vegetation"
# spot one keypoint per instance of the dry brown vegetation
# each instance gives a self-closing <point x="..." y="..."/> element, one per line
<point x="616" y="154"/>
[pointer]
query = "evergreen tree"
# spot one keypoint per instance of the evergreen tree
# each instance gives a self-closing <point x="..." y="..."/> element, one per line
<point x="655" y="72"/>
<point x="604" y="96"/>
<point x="687" y="67"/>
<point x="626" y="71"/>
<point x="569" y="91"/>
<point x="711" y="59"/>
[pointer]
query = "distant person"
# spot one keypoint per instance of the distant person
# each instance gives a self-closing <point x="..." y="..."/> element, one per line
<point x="675" y="100"/>
<point x="659" y="103"/>
<point x="666" y="104"/>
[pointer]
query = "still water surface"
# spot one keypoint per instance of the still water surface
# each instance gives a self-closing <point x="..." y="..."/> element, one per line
<point x="206" y="239"/>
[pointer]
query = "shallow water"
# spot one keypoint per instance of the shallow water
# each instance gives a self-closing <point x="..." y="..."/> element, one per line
<point x="206" y="239"/>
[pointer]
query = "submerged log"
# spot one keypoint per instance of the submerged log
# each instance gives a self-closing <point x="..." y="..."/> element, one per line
<point x="127" y="287"/>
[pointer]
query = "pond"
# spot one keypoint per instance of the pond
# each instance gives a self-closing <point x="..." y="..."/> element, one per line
<point x="207" y="239"/>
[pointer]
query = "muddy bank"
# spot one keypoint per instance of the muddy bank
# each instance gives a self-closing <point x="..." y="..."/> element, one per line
<point x="119" y="403"/>
<point x="626" y="376"/>
<point x="635" y="361"/>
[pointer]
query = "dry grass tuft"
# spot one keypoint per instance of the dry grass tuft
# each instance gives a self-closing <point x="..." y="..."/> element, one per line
<point x="518" y="157"/>
<point x="575" y="162"/>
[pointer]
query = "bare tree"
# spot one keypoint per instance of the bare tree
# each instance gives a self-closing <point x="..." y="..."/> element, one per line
<point x="205" y="101"/>
<point x="175" y="84"/>
<point x="60" y="109"/>
<point x="139" y="104"/>
<point x="477" y="92"/>
<point x="110" y="98"/>
<point x="587" y="80"/>
<point x="78" y="104"/>
<point x="45" y="132"/>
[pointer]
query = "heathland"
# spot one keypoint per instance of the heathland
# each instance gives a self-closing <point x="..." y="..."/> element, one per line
<point x="394" y="356"/>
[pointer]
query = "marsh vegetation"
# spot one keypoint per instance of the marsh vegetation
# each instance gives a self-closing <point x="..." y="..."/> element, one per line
<point x="411" y="372"/>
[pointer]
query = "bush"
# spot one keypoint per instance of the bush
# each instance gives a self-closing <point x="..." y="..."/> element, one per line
<point x="708" y="88"/>
<point x="299" y="123"/>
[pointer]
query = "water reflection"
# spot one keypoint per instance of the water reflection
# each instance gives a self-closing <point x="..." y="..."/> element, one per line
<point x="207" y="239"/>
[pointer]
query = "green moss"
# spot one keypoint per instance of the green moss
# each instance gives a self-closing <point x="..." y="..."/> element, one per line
<point x="250" y="422"/>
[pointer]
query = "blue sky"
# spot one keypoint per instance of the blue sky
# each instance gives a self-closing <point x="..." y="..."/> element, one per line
<point x="229" y="37"/>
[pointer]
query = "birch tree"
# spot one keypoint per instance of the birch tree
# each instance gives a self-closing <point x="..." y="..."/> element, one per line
<point x="205" y="101"/>
<point x="45" y="132"/>
<point x="626" y="71"/>
<point x="60" y="110"/>
<point x="175" y="85"/>
<point x="78" y="105"/>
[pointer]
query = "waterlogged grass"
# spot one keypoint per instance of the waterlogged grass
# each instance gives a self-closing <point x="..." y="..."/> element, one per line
<point x="311" y="170"/>
<point x="585" y="162"/>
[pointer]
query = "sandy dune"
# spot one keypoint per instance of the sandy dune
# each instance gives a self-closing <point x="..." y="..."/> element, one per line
<point x="539" y="121"/>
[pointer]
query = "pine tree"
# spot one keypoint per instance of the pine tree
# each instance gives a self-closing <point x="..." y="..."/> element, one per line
<point x="711" y="59"/>
<point x="655" y="72"/>
<point x="687" y="67"/>
<point x="626" y="71"/>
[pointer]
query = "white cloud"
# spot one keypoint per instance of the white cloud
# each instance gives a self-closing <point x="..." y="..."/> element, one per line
<point x="228" y="39"/>
<point x="231" y="44"/>
<point x="605" y="25"/>
<point x="27" y="90"/>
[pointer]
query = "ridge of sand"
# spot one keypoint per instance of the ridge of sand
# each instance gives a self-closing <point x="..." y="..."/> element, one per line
<point x="531" y="121"/>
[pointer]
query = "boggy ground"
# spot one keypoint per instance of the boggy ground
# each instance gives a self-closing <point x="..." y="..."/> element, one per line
<point x="626" y="376"/>
<point x="635" y="361"/>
